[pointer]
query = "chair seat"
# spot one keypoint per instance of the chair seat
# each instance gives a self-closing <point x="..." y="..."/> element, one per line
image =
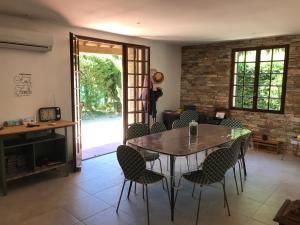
<point x="149" y="177"/>
<point x="196" y="176"/>
<point x="150" y="156"/>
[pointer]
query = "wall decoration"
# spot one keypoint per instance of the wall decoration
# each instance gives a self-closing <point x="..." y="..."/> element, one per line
<point x="23" y="85"/>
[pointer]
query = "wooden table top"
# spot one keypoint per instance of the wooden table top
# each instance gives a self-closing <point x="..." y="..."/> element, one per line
<point x="178" y="143"/>
<point x="43" y="126"/>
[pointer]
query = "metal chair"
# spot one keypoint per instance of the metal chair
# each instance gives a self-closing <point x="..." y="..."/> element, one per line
<point x="232" y="123"/>
<point x="178" y="124"/>
<point x="134" y="168"/>
<point x="139" y="130"/>
<point x="213" y="171"/>
<point x="188" y="116"/>
<point x="157" y="127"/>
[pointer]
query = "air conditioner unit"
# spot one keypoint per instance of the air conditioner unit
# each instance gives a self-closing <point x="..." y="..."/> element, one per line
<point x="25" y="40"/>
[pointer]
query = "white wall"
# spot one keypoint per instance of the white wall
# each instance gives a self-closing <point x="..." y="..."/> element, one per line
<point x="51" y="71"/>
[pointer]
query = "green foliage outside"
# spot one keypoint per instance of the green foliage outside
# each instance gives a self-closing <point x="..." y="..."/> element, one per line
<point x="269" y="83"/>
<point x="100" y="84"/>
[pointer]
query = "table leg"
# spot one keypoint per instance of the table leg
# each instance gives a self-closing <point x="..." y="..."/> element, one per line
<point x="2" y="168"/>
<point x="172" y="182"/>
<point x="66" y="151"/>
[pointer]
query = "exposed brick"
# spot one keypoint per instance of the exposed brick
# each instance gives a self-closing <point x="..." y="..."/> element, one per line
<point x="205" y="82"/>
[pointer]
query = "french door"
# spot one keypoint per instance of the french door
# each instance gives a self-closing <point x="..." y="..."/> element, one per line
<point x="136" y="85"/>
<point x="76" y="106"/>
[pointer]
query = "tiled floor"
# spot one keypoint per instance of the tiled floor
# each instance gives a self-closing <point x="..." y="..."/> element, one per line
<point x="90" y="197"/>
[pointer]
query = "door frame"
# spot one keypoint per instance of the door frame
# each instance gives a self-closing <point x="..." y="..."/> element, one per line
<point x="124" y="65"/>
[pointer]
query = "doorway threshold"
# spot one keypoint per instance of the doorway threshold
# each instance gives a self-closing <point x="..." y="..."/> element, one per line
<point x="100" y="150"/>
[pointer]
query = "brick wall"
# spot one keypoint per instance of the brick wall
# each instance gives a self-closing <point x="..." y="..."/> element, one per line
<point x="205" y="82"/>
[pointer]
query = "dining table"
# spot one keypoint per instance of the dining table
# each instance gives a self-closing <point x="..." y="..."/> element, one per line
<point x="178" y="143"/>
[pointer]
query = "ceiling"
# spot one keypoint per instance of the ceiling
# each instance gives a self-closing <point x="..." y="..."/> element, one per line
<point x="181" y="21"/>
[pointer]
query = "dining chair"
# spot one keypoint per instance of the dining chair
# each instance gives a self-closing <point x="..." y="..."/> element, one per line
<point x="134" y="168"/>
<point x="188" y="116"/>
<point x="231" y="122"/>
<point x="157" y="127"/>
<point x="139" y="130"/>
<point x="213" y="171"/>
<point x="178" y="124"/>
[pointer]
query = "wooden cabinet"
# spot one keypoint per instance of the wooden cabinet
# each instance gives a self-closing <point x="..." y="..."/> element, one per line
<point x="26" y="151"/>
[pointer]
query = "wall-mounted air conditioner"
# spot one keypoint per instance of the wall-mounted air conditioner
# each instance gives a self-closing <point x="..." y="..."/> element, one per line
<point x="25" y="40"/>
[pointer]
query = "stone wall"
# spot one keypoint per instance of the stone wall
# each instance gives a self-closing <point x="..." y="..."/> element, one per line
<point x="205" y="82"/>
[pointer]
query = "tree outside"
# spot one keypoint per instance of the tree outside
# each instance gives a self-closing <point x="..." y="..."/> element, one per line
<point x="100" y="84"/>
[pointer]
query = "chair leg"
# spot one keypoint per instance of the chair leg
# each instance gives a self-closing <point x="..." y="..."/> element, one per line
<point x="129" y="190"/>
<point x="135" y="187"/>
<point x="168" y="189"/>
<point x="143" y="192"/>
<point x="152" y="164"/>
<point x="199" y="205"/>
<point x="241" y="179"/>
<point x="121" y="195"/>
<point x="147" y="204"/>
<point x="197" y="159"/>
<point x="225" y="198"/>
<point x="177" y="189"/>
<point x="234" y="173"/>
<point x="161" y="173"/>
<point x="187" y="162"/>
<point x="167" y="163"/>
<point x="193" y="189"/>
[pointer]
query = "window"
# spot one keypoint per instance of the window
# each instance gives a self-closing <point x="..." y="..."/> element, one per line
<point x="259" y="79"/>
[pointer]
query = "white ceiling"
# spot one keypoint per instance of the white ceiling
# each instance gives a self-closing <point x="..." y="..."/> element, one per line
<point x="182" y="21"/>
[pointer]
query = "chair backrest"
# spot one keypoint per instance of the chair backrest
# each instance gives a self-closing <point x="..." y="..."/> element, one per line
<point x="232" y="123"/>
<point x="131" y="162"/>
<point x="188" y="116"/>
<point x="137" y="130"/>
<point x="235" y="150"/>
<point x="157" y="127"/>
<point x="178" y="124"/>
<point x="216" y="164"/>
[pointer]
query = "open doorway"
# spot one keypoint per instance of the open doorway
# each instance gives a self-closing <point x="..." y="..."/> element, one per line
<point x="101" y="72"/>
<point x="134" y="95"/>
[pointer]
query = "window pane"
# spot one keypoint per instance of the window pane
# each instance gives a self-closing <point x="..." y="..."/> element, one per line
<point x="239" y="68"/>
<point x="249" y="68"/>
<point x="263" y="91"/>
<point x="277" y="67"/>
<point x="266" y="55"/>
<point x="238" y="90"/>
<point x="250" y="56"/>
<point x="264" y="79"/>
<point x="275" y="92"/>
<point x="275" y="104"/>
<point x="278" y="53"/>
<point x="262" y="103"/>
<point x="238" y="79"/>
<point x="276" y="79"/>
<point x="249" y="79"/>
<point x="240" y="56"/>
<point x="237" y="102"/>
<point x="265" y="67"/>
<point x="248" y="91"/>
<point x="247" y="103"/>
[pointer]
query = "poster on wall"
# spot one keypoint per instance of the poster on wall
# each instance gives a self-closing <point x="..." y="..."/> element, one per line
<point x="23" y="85"/>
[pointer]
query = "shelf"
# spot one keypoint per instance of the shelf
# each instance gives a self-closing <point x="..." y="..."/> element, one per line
<point x="18" y="142"/>
<point x="37" y="170"/>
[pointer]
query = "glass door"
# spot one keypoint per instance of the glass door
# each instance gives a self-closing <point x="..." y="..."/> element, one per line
<point x="76" y="106"/>
<point x="136" y="84"/>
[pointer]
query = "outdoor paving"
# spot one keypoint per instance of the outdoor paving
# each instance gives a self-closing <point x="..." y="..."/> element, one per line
<point x="101" y="135"/>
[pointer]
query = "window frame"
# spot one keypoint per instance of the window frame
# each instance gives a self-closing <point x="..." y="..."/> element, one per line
<point x="256" y="78"/>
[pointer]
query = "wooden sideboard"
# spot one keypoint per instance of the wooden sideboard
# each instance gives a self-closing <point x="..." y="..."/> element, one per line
<point x="30" y="150"/>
